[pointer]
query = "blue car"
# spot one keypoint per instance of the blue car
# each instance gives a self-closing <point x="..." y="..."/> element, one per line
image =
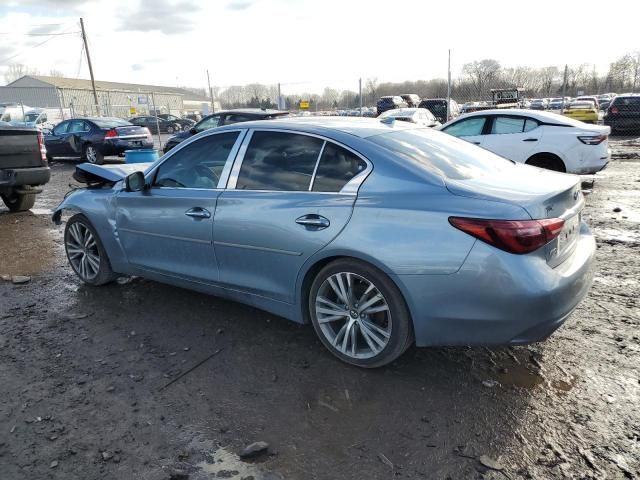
<point x="378" y="233"/>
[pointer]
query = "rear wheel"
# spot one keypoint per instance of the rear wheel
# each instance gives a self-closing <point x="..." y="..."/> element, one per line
<point x="19" y="202"/>
<point x="548" y="161"/>
<point x="359" y="314"/>
<point x="170" y="129"/>
<point x="85" y="252"/>
<point x="93" y="155"/>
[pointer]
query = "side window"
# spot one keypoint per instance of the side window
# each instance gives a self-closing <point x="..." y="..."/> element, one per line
<point x="198" y="165"/>
<point x="279" y="161"/>
<point x="337" y="166"/>
<point x="208" y="123"/>
<point x="78" y="126"/>
<point x="236" y="118"/>
<point x="61" y="128"/>
<point x="466" y="128"/>
<point x="504" y="125"/>
<point x="530" y="124"/>
<point x="43" y="118"/>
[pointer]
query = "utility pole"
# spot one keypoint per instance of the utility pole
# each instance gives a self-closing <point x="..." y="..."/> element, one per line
<point x="93" y="82"/>
<point x="213" y="108"/>
<point x="360" y="93"/>
<point x="448" y="84"/>
<point x="564" y="86"/>
<point x="280" y="106"/>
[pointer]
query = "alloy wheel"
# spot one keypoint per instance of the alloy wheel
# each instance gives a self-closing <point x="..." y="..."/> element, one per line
<point x="91" y="154"/>
<point x="353" y="315"/>
<point x="82" y="251"/>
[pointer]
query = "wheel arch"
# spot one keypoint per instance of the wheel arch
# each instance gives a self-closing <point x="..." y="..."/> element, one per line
<point x="311" y="268"/>
<point x="556" y="155"/>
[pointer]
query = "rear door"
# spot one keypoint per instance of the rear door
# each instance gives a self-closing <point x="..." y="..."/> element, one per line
<point x="512" y="137"/>
<point x="168" y="228"/>
<point x="289" y="195"/>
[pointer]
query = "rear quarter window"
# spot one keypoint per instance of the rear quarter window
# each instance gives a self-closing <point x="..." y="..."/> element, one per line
<point x="441" y="154"/>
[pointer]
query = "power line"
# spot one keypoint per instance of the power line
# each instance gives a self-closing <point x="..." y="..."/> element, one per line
<point x="30" y="48"/>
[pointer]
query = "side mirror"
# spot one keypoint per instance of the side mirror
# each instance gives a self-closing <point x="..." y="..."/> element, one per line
<point x="47" y="131"/>
<point x="193" y="130"/>
<point x="135" y="182"/>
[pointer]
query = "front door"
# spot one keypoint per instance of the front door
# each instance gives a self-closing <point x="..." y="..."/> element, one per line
<point x="168" y="228"/>
<point x="284" y="202"/>
<point x="56" y="143"/>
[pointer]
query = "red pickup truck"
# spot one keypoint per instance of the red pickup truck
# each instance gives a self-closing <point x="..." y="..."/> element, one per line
<point x="23" y="166"/>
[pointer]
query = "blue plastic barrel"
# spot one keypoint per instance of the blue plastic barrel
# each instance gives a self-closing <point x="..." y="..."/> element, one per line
<point x="140" y="156"/>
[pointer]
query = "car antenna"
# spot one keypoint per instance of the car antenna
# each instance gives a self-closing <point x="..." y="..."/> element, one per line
<point x="388" y="121"/>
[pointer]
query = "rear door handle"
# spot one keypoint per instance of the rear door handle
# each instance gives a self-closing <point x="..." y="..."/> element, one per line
<point x="198" y="212"/>
<point x="476" y="143"/>
<point x="317" y="222"/>
<point x="530" y="140"/>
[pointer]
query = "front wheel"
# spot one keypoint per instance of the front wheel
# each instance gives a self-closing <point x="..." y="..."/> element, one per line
<point x="169" y="129"/>
<point x="85" y="252"/>
<point x="359" y="314"/>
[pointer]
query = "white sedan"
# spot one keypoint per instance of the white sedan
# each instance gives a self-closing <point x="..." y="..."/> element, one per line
<point x="419" y="116"/>
<point x="541" y="139"/>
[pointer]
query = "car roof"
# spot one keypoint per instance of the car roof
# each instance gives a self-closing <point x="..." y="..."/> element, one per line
<point x="357" y="126"/>
<point x="253" y="111"/>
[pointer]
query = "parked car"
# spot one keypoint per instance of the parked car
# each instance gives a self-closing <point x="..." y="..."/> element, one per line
<point x="185" y="123"/>
<point x="588" y="98"/>
<point x="438" y="106"/>
<point x="419" y="116"/>
<point x="12" y="112"/>
<point x="623" y="114"/>
<point x="542" y="139"/>
<point x="585" y="111"/>
<point x="41" y="118"/>
<point x="538" y="104"/>
<point x="390" y="103"/>
<point x="91" y="139"/>
<point x="225" y="117"/>
<point x="23" y="166"/>
<point x="156" y="124"/>
<point x="556" y="104"/>
<point x="412" y="99"/>
<point x="423" y="239"/>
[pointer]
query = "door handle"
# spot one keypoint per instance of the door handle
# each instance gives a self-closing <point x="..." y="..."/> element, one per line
<point x="312" y="220"/>
<point x="530" y="140"/>
<point x="198" y="212"/>
<point x="476" y="143"/>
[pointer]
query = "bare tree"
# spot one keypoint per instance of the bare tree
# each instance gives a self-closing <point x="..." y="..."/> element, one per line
<point x="371" y="86"/>
<point x="482" y="74"/>
<point x="55" y="73"/>
<point x="18" y="70"/>
<point x="548" y="76"/>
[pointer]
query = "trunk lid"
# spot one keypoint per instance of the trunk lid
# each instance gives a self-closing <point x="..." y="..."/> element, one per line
<point x="131" y="131"/>
<point x="100" y="174"/>
<point x="541" y="193"/>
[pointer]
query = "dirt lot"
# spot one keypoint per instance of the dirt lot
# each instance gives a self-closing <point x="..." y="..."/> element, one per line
<point x="86" y="377"/>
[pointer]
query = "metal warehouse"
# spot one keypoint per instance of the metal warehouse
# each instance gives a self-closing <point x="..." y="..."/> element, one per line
<point x="75" y="97"/>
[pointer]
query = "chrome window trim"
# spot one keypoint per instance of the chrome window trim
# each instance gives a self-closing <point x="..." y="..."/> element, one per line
<point x="149" y="174"/>
<point x="350" y="188"/>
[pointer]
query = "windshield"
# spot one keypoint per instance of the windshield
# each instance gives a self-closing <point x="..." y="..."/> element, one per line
<point x="110" y="122"/>
<point x="441" y="154"/>
<point x="31" y="117"/>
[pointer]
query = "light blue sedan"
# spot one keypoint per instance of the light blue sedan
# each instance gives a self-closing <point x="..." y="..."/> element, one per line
<point x="378" y="233"/>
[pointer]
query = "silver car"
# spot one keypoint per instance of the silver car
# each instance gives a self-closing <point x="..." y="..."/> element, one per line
<point x="380" y="234"/>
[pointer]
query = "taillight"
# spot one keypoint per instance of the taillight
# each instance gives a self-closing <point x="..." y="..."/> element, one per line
<point x="111" y="133"/>
<point x="42" y="147"/>
<point x="614" y="110"/>
<point x="513" y="236"/>
<point x="592" y="139"/>
<point x="147" y="132"/>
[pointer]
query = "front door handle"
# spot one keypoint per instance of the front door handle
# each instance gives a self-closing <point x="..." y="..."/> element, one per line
<point x="476" y="143"/>
<point x="530" y="140"/>
<point x="317" y="222"/>
<point x="198" y="212"/>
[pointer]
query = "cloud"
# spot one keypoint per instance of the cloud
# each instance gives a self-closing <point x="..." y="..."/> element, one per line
<point x="136" y="67"/>
<point x="163" y="16"/>
<point x="237" y="5"/>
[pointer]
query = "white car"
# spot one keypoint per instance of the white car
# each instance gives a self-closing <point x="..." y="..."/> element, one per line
<point x="541" y="139"/>
<point x="419" y="116"/>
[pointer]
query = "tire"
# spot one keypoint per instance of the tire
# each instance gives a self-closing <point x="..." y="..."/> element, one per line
<point x="547" y="161"/>
<point x="19" y="202"/>
<point x="91" y="271"/>
<point x="169" y="129"/>
<point x="390" y="331"/>
<point x="92" y="155"/>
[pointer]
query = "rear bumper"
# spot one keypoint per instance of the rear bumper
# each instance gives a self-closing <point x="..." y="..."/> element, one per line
<point x="498" y="298"/>
<point x="118" y="147"/>
<point x="14" y="177"/>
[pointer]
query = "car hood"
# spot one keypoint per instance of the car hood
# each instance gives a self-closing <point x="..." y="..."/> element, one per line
<point x="90" y="173"/>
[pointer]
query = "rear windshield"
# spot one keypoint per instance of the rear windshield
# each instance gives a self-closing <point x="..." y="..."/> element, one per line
<point x="437" y="107"/>
<point x="110" y="122"/>
<point x="627" y="102"/>
<point x="442" y="154"/>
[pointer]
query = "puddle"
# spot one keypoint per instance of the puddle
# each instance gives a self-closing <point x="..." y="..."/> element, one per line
<point x="563" y="385"/>
<point x="226" y="464"/>
<point x="519" y="376"/>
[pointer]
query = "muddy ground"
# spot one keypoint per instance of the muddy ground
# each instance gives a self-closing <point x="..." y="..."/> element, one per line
<point x="86" y="374"/>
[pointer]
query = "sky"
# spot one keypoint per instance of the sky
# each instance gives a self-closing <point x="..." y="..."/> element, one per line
<point x="308" y="44"/>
